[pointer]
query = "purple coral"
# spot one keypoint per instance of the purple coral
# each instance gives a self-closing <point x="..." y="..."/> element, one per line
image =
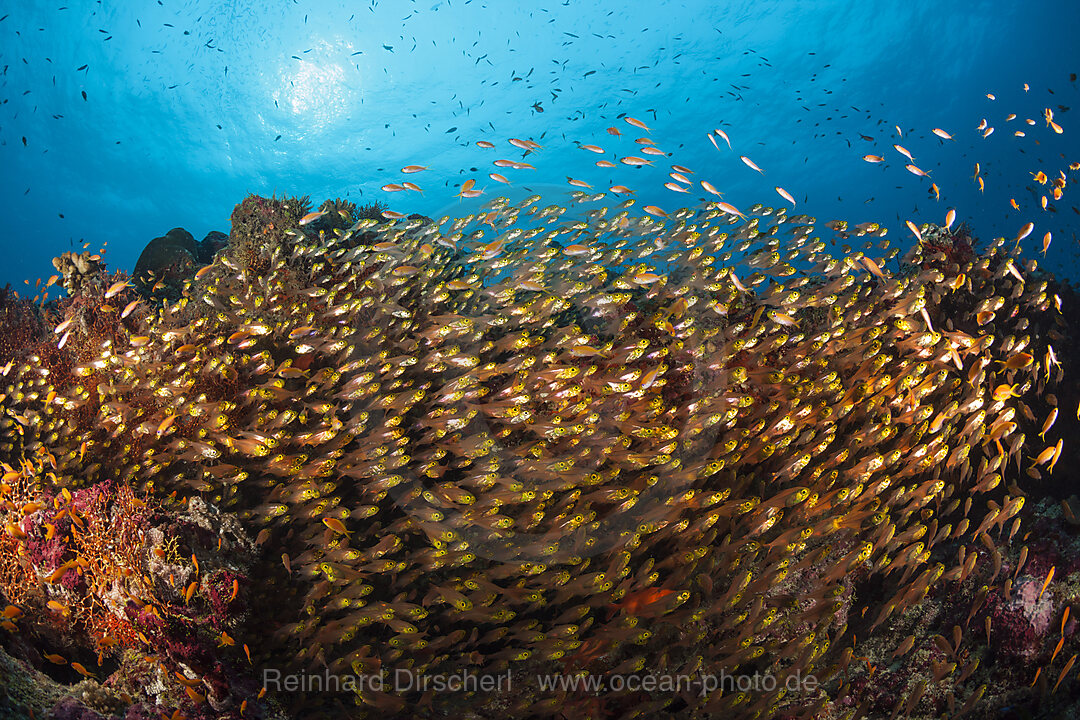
<point x="1036" y="605"/>
<point x="71" y="709"/>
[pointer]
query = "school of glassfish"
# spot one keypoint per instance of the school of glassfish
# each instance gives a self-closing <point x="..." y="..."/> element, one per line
<point x="572" y="436"/>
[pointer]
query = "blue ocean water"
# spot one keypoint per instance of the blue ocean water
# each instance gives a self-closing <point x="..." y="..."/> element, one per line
<point x="121" y="120"/>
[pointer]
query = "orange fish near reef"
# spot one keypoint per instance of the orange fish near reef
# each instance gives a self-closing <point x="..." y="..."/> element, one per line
<point x="81" y="670"/>
<point x="644" y="603"/>
<point x="116" y="288"/>
<point x="335" y="525"/>
<point x="129" y="308"/>
<point x="312" y="217"/>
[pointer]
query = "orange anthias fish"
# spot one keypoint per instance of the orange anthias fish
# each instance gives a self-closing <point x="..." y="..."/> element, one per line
<point x="710" y="188"/>
<point x="644" y="603"/>
<point x="750" y="164"/>
<point x="526" y="145"/>
<point x="335" y="525"/>
<point x="129" y="308"/>
<point x="82" y="670"/>
<point x="466" y="187"/>
<point x="729" y="208"/>
<point x="1024" y="231"/>
<point x="1046" y="583"/>
<point x="116" y="288"/>
<point x="312" y="216"/>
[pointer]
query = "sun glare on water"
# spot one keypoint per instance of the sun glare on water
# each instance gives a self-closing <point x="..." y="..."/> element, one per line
<point x="316" y="89"/>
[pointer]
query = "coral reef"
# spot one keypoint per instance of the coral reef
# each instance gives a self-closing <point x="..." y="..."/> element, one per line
<point x="955" y="246"/>
<point x="534" y="454"/>
<point x="28" y="693"/>
<point x="79" y="271"/>
<point x="108" y="579"/>
<point x="260" y="226"/>
<point x="24" y="326"/>
<point x="209" y="246"/>
<point x="999" y="634"/>
<point x="168" y="261"/>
